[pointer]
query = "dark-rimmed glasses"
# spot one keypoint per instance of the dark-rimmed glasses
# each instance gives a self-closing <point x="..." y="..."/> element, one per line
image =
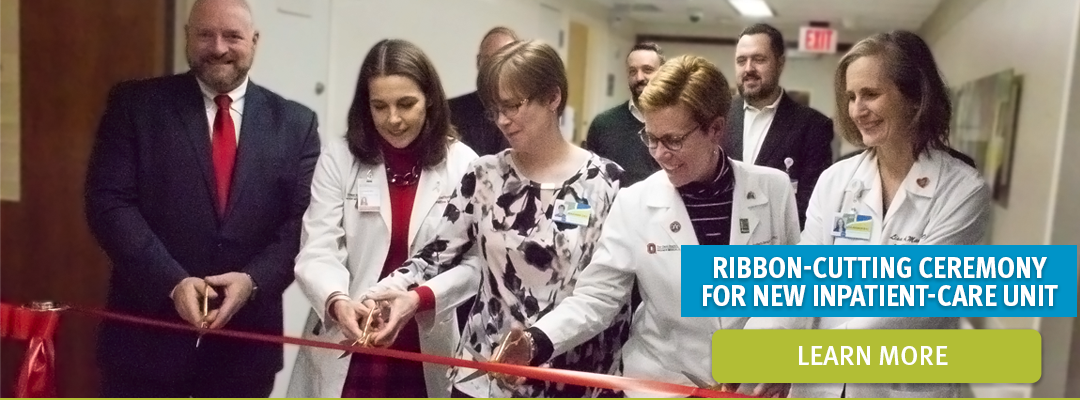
<point x="509" y="111"/>
<point x="673" y="143"/>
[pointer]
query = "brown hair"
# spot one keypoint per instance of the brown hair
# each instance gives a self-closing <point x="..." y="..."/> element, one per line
<point x="530" y="70"/>
<point x="690" y="81"/>
<point x="500" y="30"/>
<point x="909" y="65"/>
<point x="648" y="46"/>
<point x="401" y="58"/>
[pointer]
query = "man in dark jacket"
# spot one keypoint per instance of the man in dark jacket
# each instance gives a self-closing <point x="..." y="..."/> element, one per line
<point x="766" y="127"/>
<point x="614" y="134"/>
<point x="196" y="187"/>
<point x="467" y="111"/>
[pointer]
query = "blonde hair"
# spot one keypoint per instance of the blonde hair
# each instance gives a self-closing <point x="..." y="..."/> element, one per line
<point x="690" y="81"/>
<point x="529" y="70"/>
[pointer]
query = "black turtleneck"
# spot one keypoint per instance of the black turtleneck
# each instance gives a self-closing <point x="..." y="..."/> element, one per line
<point x="709" y="204"/>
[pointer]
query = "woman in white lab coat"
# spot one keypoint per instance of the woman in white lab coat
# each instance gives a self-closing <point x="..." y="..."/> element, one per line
<point x="377" y="196"/>
<point x="905" y="188"/>
<point x="700" y="197"/>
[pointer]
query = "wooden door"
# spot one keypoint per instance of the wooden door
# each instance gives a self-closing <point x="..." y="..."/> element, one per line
<point x="71" y="53"/>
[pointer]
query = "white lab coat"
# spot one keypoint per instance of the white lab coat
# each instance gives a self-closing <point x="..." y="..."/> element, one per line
<point x="343" y="249"/>
<point x="941" y="201"/>
<point x="663" y="345"/>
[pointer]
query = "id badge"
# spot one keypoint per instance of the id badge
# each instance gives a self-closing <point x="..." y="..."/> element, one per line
<point x="852" y="225"/>
<point x="569" y="212"/>
<point x="368" y="197"/>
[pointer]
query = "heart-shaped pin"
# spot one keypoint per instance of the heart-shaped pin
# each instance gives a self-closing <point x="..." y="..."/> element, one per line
<point x="922" y="182"/>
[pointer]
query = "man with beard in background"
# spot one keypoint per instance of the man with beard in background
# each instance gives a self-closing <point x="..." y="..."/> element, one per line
<point x="766" y="126"/>
<point x="195" y="190"/>
<point x="614" y="134"/>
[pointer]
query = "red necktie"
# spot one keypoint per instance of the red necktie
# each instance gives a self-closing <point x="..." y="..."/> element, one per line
<point x="224" y="152"/>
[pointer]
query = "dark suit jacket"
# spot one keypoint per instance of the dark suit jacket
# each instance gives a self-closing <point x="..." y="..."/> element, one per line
<point x="613" y="134"/>
<point x="150" y="203"/>
<point x="797" y="131"/>
<point x="478" y="132"/>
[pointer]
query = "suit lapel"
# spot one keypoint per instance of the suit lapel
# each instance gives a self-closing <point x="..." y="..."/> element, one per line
<point x="735" y="133"/>
<point x="779" y="131"/>
<point x="256" y="138"/>
<point x="191" y="110"/>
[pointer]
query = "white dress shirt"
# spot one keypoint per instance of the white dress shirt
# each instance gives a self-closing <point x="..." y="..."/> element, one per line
<point x="236" y="109"/>
<point x="756" y="123"/>
<point x="636" y="112"/>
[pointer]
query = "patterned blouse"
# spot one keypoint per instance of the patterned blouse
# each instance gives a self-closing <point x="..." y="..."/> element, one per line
<point x="532" y="260"/>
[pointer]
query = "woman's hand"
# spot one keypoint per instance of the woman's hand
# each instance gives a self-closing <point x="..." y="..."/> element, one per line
<point x="349" y="314"/>
<point x="516" y="348"/>
<point x="396" y="309"/>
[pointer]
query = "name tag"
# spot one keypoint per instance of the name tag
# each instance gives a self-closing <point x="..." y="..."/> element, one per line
<point x="569" y="212"/>
<point x="369" y="198"/>
<point x="852" y="226"/>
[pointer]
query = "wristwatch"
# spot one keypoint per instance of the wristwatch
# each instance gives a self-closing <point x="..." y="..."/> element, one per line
<point x="254" y="286"/>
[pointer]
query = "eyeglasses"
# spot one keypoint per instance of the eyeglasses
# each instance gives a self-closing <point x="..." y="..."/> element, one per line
<point x="673" y="143"/>
<point x="509" y="111"/>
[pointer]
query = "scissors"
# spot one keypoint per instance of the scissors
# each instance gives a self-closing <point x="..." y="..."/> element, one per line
<point x="366" y="331"/>
<point x="698" y="381"/>
<point x="205" y="311"/>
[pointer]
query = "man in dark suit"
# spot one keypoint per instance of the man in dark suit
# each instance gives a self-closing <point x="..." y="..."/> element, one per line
<point x="196" y="186"/>
<point x="766" y="127"/>
<point x="467" y="111"/>
<point x="613" y="134"/>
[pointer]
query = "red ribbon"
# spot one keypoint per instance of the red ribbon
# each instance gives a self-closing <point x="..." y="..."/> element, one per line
<point x="37" y="374"/>
<point x="547" y="374"/>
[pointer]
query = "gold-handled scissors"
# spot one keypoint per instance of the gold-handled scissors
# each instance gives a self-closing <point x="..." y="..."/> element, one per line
<point x="205" y="311"/>
<point x="366" y="330"/>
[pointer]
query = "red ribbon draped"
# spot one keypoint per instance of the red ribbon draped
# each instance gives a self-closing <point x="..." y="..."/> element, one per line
<point x="37" y="374"/>
<point x="39" y="368"/>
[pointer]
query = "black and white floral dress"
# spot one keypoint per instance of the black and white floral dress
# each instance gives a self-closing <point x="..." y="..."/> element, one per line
<point x="532" y="263"/>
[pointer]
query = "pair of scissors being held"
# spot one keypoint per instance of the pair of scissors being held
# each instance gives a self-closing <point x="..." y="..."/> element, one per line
<point x="370" y="326"/>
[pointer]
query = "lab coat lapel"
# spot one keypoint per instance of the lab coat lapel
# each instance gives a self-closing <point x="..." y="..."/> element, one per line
<point x="747" y="200"/>
<point x="671" y="216"/>
<point x="427" y="193"/>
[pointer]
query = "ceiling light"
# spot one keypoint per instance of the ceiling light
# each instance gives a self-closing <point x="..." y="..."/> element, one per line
<point x="752" y="8"/>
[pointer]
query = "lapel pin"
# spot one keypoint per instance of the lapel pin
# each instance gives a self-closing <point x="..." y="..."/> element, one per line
<point x="676" y="226"/>
<point x="922" y="182"/>
<point x="750" y="196"/>
<point x="744" y="225"/>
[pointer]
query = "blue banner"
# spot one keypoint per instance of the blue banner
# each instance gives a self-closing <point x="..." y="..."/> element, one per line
<point x="879" y="281"/>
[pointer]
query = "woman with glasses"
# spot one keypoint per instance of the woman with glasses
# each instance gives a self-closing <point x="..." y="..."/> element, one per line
<point x="699" y="197"/>
<point x="506" y="206"/>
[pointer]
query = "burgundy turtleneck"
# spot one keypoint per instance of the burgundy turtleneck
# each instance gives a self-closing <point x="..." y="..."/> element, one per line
<point x="399" y="162"/>
<point x="374" y="376"/>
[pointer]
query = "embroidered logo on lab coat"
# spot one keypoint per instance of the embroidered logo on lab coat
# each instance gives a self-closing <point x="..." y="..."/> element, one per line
<point x="652" y="248"/>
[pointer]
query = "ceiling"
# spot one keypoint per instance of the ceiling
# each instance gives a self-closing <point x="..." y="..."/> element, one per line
<point x="720" y="19"/>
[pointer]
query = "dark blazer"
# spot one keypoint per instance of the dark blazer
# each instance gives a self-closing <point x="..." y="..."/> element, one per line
<point x="797" y="131"/>
<point x="150" y="203"/>
<point x="613" y="134"/>
<point x="476" y="131"/>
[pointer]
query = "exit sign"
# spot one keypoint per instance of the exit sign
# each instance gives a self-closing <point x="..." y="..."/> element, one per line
<point x="817" y="40"/>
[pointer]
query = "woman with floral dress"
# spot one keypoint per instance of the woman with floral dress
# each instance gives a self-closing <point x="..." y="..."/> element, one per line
<point x="505" y="205"/>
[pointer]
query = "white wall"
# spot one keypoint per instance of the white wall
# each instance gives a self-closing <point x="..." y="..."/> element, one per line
<point x="814" y="75"/>
<point x="1037" y="44"/>
<point x="449" y="32"/>
<point x="969" y="40"/>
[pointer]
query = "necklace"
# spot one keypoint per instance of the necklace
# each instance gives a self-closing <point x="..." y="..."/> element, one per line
<point x="408" y="178"/>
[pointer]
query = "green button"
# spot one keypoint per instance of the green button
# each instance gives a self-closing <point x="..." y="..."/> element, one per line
<point x="878" y="356"/>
